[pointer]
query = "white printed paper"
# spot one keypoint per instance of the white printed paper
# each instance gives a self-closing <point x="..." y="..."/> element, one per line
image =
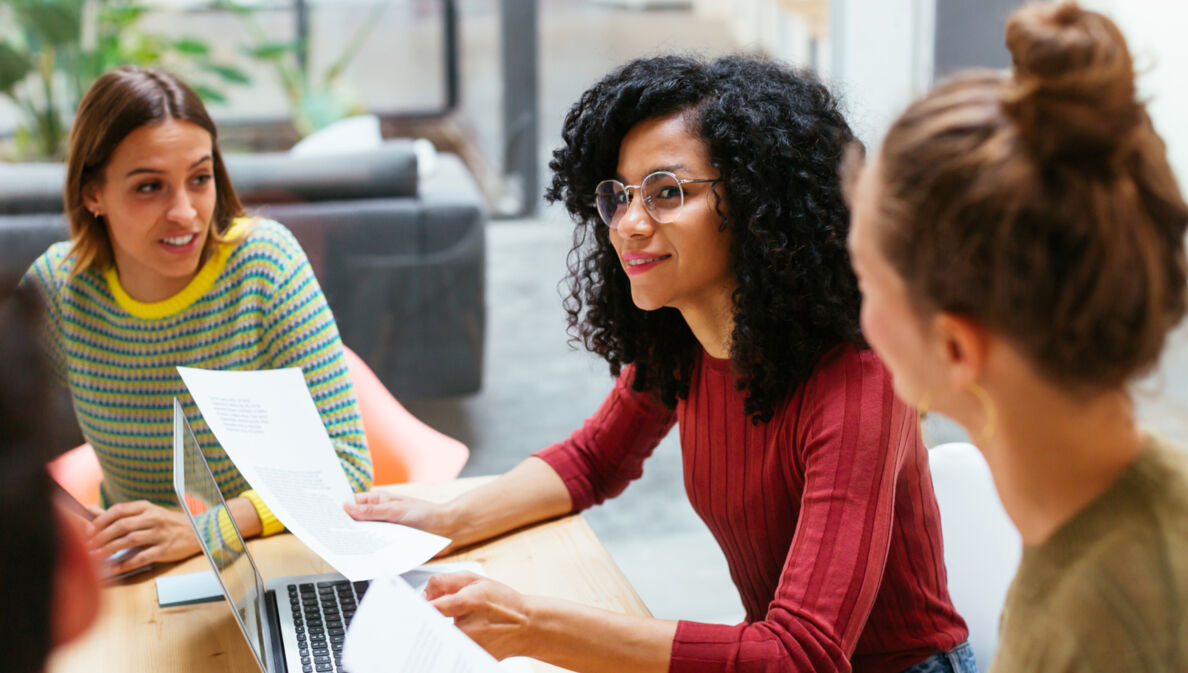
<point x="418" y="579"/>
<point x="396" y="631"/>
<point x="269" y="426"/>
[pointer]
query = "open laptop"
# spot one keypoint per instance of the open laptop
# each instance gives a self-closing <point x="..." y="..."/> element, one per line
<point x="293" y="623"/>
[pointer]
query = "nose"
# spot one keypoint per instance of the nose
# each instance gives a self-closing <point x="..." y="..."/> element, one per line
<point x="636" y="222"/>
<point x="181" y="210"/>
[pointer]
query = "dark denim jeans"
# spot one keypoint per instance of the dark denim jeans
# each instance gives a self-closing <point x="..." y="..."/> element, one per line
<point x="960" y="659"/>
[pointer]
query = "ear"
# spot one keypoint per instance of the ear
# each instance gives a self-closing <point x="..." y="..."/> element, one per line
<point x="76" y="587"/>
<point x="964" y="344"/>
<point x="92" y="199"/>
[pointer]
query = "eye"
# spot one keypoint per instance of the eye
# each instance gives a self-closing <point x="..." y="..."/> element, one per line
<point x="668" y="192"/>
<point x="148" y="187"/>
<point x="202" y="180"/>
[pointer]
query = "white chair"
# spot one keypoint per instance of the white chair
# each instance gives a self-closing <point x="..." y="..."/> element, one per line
<point x="982" y="547"/>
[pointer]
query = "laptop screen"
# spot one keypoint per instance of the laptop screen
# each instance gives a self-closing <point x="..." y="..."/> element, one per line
<point x="203" y="503"/>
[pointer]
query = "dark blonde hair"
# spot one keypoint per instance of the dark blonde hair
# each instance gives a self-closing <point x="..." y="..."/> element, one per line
<point x="1041" y="203"/>
<point x="118" y="103"/>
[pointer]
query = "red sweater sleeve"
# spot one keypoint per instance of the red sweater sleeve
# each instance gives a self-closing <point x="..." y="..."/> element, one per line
<point x="607" y="452"/>
<point x="849" y="440"/>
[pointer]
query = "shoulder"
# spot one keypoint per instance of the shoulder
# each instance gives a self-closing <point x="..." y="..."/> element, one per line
<point x="847" y="374"/>
<point x="54" y="262"/>
<point x="640" y="401"/>
<point x="267" y="243"/>
<point x="849" y="398"/>
<point x="51" y="271"/>
<point x="1125" y="596"/>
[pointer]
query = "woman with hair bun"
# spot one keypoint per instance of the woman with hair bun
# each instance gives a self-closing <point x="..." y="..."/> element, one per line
<point x="709" y="270"/>
<point x="1019" y="240"/>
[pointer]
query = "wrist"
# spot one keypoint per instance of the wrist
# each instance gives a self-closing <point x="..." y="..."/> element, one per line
<point x="538" y="617"/>
<point x="453" y="522"/>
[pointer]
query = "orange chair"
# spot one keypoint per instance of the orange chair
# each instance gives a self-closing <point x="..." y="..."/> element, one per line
<point x="402" y="447"/>
<point x="79" y="473"/>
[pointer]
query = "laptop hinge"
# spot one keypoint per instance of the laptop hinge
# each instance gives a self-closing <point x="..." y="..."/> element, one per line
<point x="276" y="647"/>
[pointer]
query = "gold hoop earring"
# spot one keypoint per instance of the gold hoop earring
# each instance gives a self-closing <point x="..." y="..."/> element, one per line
<point x="988" y="410"/>
<point x="924" y="404"/>
<point x="922" y="407"/>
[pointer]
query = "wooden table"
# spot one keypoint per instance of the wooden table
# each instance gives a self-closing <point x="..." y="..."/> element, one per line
<point x="561" y="558"/>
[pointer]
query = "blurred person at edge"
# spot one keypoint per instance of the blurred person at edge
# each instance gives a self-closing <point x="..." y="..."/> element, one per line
<point x="1019" y="238"/>
<point x="710" y="270"/>
<point x="164" y="270"/>
<point x="51" y="593"/>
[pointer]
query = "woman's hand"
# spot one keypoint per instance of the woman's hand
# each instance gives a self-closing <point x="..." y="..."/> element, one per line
<point x="494" y="615"/>
<point x="161" y="534"/>
<point x="430" y="517"/>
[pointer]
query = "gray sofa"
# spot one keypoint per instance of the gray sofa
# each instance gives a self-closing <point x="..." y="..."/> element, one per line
<point x="400" y="255"/>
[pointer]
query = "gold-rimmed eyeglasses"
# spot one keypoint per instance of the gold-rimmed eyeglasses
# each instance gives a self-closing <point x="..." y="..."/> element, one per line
<point x="663" y="197"/>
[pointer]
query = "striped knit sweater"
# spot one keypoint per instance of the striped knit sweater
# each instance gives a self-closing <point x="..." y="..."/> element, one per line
<point x="825" y="514"/>
<point x="255" y="304"/>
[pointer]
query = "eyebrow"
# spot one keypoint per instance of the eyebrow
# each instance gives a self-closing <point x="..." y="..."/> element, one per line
<point x="137" y="171"/>
<point x="670" y="168"/>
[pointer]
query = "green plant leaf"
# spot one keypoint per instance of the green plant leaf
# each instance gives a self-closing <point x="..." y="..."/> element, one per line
<point x="192" y="46"/>
<point x="231" y="6"/>
<point x="269" y="51"/>
<point x="122" y="17"/>
<point x="209" y="94"/>
<point x="55" y="23"/>
<point x="228" y="73"/>
<point x="14" y="67"/>
<point x="355" y="43"/>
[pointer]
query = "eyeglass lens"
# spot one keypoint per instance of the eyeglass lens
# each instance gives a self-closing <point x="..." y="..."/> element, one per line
<point x="662" y="198"/>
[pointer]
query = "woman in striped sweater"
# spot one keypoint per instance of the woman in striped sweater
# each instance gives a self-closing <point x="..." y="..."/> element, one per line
<point x="710" y="271"/>
<point x="164" y="270"/>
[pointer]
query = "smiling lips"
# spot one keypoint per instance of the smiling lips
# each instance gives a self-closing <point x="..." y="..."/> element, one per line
<point x="179" y="240"/>
<point x="180" y="244"/>
<point x="638" y="263"/>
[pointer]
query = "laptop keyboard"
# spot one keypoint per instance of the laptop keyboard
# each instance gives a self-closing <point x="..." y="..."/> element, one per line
<point x="321" y="613"/>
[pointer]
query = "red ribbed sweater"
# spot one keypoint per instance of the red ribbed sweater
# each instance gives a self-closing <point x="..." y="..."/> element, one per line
<point x="826" y="515"/>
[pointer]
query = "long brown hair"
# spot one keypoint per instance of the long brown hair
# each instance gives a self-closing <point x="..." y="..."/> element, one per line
<point x="118" y="103"/>
<point x="1041" y="203"/>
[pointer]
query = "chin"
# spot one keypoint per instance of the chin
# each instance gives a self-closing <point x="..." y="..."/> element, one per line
<point x="645" y="303"/>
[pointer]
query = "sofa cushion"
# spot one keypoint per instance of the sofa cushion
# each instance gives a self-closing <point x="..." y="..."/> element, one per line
<point x="388" y="171"/>
<point x="279" y="177"/>
<point x="31" y="188"/>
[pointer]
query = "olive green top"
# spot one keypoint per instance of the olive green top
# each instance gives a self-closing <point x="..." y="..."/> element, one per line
<point x="1108" y="591"/>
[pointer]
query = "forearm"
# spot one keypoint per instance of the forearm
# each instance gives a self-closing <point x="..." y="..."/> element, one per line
<point x="589" y="640"/>
<point x="530" y="492"/>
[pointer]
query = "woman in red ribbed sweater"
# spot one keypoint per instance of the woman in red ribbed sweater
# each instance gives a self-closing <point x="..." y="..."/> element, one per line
<point x="710" y="270"/>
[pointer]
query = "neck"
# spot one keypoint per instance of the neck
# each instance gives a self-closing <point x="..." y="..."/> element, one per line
<point x="712" y="321"/>
<point x="152" y="290"/>
<point x="1054" y="454"/>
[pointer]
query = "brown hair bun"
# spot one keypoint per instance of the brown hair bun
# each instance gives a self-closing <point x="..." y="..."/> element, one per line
<point x="1072" y="93"/>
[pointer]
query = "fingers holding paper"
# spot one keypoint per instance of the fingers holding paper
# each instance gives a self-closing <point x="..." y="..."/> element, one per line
<point x="161" y="534"/>
<point x="492" y="614"/>
<point x="430" y="517"/>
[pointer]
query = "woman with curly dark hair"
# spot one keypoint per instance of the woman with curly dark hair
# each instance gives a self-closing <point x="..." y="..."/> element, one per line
<point x="710" y="270"/>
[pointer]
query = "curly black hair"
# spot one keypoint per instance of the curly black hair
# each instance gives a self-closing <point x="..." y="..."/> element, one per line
<point x="778" y="138"/>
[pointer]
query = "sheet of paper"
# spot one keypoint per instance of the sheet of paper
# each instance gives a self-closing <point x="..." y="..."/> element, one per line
<point x="269" y="426"/>
<point x="418" y="579"/>
<point x="396" y="631"/>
